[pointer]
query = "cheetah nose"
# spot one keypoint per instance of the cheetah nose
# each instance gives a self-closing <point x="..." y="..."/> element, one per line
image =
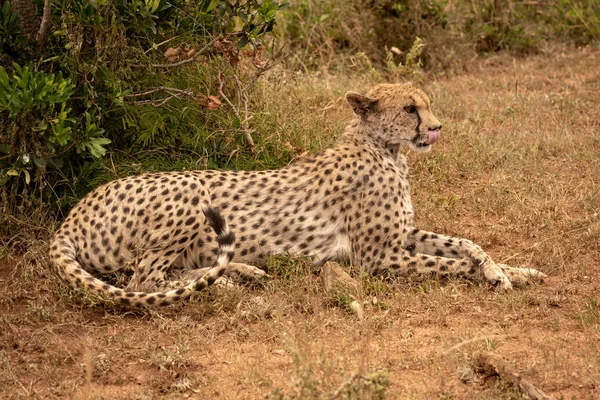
<point x="434" y="135"/>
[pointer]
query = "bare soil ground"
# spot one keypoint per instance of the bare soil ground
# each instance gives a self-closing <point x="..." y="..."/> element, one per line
<point x="518" y="171"/>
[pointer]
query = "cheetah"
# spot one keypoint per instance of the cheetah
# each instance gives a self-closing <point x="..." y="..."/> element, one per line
<point x="348" y="202"/>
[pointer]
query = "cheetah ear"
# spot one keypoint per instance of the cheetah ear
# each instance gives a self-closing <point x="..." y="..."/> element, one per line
<point x="362" y="105"/>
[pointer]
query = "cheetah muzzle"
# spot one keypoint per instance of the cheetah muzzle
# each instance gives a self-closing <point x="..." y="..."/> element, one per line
<point x="351" y="201"/>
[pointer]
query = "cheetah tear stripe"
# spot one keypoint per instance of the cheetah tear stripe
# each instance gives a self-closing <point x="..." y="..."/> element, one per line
<point x="434" y="136"/>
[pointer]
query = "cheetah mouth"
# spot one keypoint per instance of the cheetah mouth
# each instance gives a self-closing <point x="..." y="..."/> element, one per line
<point x="433" y="135"/>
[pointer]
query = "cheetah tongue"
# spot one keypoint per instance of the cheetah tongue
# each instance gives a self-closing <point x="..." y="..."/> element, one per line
<point x="434" y="135"/>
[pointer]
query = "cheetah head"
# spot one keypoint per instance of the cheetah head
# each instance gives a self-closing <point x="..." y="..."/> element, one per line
<point x="397" y="114"/>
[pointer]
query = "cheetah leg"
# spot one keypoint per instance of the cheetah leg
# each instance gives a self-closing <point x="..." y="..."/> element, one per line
<point x="449" y="247"/>
<point x="158" y="260"/>
<point x="446" y="246"/>
<point x="191" y="275"/>
<point x="149" y="272"/>
<point x="234" y="270"/>
<point x="245" y="271"/>
<point x="405" y="263"/>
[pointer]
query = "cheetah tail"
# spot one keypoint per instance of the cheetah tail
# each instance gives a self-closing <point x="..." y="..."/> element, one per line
<point x="63" y="256"/>
<point x="225" y="240"/>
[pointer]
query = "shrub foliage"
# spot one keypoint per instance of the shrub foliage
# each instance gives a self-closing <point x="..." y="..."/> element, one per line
<point x="121" y="76"/>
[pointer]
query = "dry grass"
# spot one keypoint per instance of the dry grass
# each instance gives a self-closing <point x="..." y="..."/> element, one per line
<point x="518" y="171"/>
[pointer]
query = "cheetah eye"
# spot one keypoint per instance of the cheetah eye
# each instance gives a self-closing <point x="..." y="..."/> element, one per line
<point x="411" y="109"/>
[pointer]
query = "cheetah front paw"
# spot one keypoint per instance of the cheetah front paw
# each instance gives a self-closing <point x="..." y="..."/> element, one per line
<point x="494" y="275"/>
<point x="224" y="282"/>
<point x="522" y="276"/>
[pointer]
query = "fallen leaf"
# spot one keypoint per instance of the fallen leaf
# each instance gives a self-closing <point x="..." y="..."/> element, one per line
<point x="172" y="53"/>
<point x="297" y="150"/>
<point x="214" y="102"/>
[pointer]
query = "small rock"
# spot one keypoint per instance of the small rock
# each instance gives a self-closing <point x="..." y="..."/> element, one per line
<point x="254" y="309"/>
<point x="334" y="277"/>
<point x="358" y="309"/>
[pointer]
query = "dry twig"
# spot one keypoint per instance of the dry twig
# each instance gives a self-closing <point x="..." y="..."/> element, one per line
<point x="188" y="60"/>
<point x="242" y="96"/>
<point x="492" y="364"/>
<point x="174" y="93"/>
<point x="472" y="340"/>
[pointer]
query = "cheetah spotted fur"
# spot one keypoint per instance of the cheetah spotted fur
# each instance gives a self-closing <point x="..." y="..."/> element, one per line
<point x="146" y="222"/>
<point x="351" y="201"/>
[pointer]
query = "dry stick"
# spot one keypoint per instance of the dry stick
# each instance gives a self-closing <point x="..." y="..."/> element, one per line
<point x="244" y="122"/>
<point x="87" y="360"/>
<point x="491" y="364"/>
<point x="161" y="43"/>
<point x="161" y="89"/>
<point x="276" y="60"/>
<point x="12" y="375"/>
<point x="242" y="92"/>
<point x="243" y="95"/>
<point x="472" y="340"/>
<point x="189" y="60"/>
<point x="155" y="103"/>
<point x="173" y="94"/>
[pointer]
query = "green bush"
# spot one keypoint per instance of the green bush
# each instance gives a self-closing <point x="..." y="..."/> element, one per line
<point x="42" y="124"/>
<point x="10" y="33"/>
<point x="139" y="79"/>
